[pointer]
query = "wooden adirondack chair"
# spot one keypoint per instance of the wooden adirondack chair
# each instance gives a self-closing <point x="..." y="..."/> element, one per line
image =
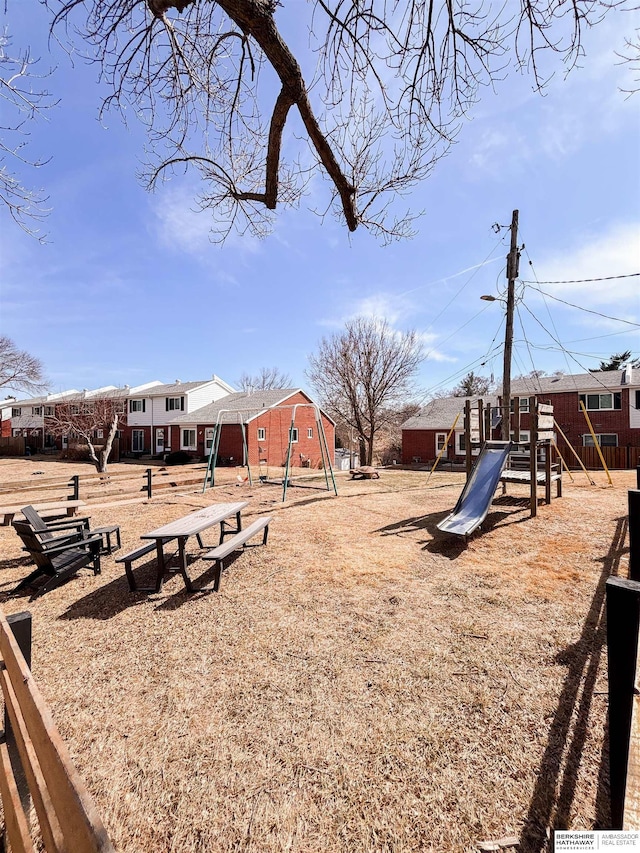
<point x="46" y="529"/>
<point x="56" y="557"/>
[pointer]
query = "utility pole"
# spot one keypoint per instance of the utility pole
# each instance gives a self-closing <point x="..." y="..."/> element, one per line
<point x="513" y="259"/>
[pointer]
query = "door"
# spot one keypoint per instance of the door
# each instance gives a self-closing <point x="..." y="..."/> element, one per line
<point x="137" y="440"/>
<point x="159" y="441"/>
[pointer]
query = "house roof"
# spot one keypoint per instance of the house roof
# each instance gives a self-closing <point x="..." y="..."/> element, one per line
<point x="441" y="413"/>
<point x="240" y="407"/>
<point x="599" y="380"/>
<point x="176" y="388"/>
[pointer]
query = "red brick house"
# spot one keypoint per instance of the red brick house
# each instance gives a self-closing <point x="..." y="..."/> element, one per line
<point x="266" y="419"/>
<point x="424" y="436"/>
<point x="611" y="398"/>
<point x="612" y="401"/>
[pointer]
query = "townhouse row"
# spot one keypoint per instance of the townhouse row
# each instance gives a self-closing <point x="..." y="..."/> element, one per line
<point x="156" y="418"/>
<point x="611" y="400"/>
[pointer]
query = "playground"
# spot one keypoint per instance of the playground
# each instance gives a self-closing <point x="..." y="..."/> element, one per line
<point x="365" y="682"/>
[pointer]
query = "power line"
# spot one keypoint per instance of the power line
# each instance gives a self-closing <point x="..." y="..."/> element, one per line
<point x="583" y="280"/>
<point x="568" y="352"/>
<point x="580" y="307"/>
<point x="457" y="294"/>
<point x="564" y="355"/>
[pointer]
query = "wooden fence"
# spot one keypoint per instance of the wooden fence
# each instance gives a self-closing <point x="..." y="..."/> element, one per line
<point x="623" y="627"/>
<point x="35" y="767"/>
<point x="96" y="487"/>
<point x="14" y="445"/>
<point x="615" y="457"/>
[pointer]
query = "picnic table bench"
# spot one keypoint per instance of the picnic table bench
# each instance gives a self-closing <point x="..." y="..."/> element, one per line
<point x="235" y="544"/>
<point x="70" y="508"/>
<point x="364" y="472"/>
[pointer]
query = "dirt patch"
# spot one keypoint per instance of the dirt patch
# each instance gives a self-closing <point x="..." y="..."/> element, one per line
<point x="364" y="683"/>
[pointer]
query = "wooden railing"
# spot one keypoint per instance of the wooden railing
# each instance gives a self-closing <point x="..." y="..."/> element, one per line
<point x="92" y="487"/>
<point x="623" y="628"/>
<point x="35" y="766"/>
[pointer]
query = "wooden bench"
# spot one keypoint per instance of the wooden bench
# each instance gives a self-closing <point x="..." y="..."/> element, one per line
<point x="235" y="543"/>
<point x="70" y="507"/>
<point x="66" y="814"/>
<point x="131" y="557"/>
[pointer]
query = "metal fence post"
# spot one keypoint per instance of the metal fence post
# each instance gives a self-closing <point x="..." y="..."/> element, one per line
<point x="623" y="619"/>
<point x="634" y="534"/>
<point x="148" y="486"/>
<point x="74" y="482"/>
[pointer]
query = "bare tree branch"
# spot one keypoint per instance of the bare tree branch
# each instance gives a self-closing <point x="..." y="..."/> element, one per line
<point x="218" y="86"/>
<point x="93" y="419"/>
<point x="23" y="102"/>
<point x="266" y="379"/>
<point x="19" y="370"/>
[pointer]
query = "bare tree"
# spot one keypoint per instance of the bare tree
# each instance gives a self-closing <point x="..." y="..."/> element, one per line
<point x="23" y="100"/>
<point x="364" y="374"/>
<point x="19" y="370"/>
<point x="378" y="92"/>
<point x="631" y="58"/>
<point x="472" y="386"/>
<point x="264" y="380"/>
<point x="94" y="420"/>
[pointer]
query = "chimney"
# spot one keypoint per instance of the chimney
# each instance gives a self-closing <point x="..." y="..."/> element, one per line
<point x="627" y="374"/>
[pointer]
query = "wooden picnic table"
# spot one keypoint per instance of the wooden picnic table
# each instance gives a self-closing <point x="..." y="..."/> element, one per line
<point x="193" y="525"/>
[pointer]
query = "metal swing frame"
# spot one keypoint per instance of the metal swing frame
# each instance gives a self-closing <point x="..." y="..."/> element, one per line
<point x="325" y="456"/>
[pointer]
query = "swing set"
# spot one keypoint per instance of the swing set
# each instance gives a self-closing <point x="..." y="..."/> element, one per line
<point x="242" y="419"/>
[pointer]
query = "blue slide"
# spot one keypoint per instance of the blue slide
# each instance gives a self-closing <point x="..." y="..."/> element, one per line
<point x="475" y="500"/>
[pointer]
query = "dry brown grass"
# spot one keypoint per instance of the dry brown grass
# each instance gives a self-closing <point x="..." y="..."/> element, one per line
<point x="364" y="683"/>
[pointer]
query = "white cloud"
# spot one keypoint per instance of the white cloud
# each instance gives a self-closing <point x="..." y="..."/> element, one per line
<point x="184" y="228"/>
<point x="597" y="256"/>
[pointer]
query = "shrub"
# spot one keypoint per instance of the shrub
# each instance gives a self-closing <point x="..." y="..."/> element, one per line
<point x="178" y="457"/>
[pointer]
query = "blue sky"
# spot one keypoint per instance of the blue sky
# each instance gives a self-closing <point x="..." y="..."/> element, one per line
<point x="129" y="288"/>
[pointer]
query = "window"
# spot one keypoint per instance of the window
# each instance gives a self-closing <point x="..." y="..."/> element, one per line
<point x="137" y="440"/>
<point x="208" y="439"/>
<point x="525" y="436"/>
<point x="48" y="410"/>
<point x="262" y="434"/>
<point x="523" y="403"/>
<point x="604" y="440"/>
<point x="15" y="413"/>
<point x="174" y="404"/>
<point x="310" y="432"/>
<point x="189" y="439"/>
<point x="461" y="444"/>
<point x="136" y="405"/>
<point x="293" y="435"/>
<point x="74" y="410"/>
<point x="441" y="437"/>
<point x="99" y="433"/>
<point x="37" y="410"/>
<point x="637" y="399"/>
<point x="593" y="402"/>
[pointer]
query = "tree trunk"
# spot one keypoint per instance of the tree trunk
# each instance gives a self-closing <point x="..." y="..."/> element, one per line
<point x="370" y="451"/>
